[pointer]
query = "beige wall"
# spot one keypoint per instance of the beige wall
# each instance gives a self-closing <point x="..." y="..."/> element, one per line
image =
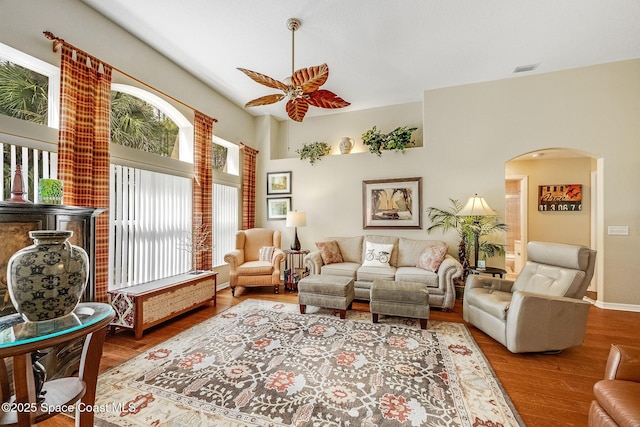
<point x="469" y="133"/>
<point x="560" y="227"/>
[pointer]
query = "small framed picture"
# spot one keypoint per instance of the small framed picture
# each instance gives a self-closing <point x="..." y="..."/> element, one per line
<point x="279" y="182"/>
<point x="277" y="208"/>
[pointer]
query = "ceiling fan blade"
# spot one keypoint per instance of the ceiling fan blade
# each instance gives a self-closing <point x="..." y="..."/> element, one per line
<point x="265" y="100"/>
<point x="297" y="109"/>
<point x="264" y="79"/>
<point x="326" y="99"/>
<point x="310" y="79"/>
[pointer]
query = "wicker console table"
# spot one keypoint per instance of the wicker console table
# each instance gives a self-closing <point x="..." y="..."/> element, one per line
<point x="142" y="306"/>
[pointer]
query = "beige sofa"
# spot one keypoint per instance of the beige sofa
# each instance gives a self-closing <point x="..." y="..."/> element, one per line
<point x="402" y="260"/>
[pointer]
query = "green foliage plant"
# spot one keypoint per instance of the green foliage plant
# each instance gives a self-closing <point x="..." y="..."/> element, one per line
<point x="467" y="228"/>
<point x="398" y="139"/>
<point x="314" y="151"/>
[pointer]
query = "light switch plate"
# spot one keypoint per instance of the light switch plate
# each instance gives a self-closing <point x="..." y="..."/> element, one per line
<point x="618" y="230"/>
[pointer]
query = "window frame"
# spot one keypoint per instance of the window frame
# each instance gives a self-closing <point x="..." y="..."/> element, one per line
<point x="51" y="71"/>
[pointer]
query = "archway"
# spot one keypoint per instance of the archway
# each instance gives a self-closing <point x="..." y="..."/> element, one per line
<point x="546" y="171"/>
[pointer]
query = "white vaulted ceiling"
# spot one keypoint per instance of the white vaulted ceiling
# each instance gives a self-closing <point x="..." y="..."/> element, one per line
<point x="379" y="52"/>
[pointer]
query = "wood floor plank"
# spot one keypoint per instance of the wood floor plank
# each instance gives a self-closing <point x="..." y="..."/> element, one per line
<point x="545" y="389"/>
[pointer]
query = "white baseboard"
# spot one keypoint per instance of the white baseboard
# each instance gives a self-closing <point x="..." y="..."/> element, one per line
<point x="614" y="306"/>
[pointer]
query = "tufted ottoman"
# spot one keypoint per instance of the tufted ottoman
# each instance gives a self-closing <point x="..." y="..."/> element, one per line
<point x="326" y="291"/>
<point x="405" y="299"/>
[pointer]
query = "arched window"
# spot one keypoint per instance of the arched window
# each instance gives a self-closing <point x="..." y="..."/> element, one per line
<point x="144" y="121"/>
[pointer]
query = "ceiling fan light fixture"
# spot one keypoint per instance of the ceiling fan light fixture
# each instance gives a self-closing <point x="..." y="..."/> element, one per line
<point x="302" y="88"/>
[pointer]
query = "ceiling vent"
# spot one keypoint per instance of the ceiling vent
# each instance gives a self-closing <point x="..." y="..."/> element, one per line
<point x="525" y="68"/>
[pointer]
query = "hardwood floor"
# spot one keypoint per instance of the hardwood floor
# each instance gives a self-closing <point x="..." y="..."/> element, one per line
<point x="547" y="390"/>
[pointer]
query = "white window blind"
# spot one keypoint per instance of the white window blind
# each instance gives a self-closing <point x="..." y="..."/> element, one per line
<point x="225" y="221"/>
<point x="150" y="217"/>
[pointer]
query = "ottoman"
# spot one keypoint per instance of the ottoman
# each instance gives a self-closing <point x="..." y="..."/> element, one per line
<point x="326" y="291"/>
<point x="405" y="299"/>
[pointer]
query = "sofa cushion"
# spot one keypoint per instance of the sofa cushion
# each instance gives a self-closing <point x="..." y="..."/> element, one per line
<point x="330" y="252"/>
<point x="350" y="248"/>
<point x="387" y="240"/>
<point x="345" y="269"/>
<point x="415" y="274"/>
<point x="490" y="301"/>
<point x="377" y="254"/>
<point x="369" y="274"/>
<point x="409" y="250"/>
<point x="432" y="257"/>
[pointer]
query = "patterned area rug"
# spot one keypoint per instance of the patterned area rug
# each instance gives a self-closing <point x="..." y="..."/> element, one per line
<point x="262" y="363"/>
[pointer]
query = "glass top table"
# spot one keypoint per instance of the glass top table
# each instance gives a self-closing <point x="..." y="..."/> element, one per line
<point x="37" y="399"/>
<point x="14" y="331"/>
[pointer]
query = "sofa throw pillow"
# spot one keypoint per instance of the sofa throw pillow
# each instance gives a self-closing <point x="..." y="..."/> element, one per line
<point x="330" y="252"/>
<point x="266" y="253"/>
<point x="431" y="258"/>
<point x="377" y="254"/>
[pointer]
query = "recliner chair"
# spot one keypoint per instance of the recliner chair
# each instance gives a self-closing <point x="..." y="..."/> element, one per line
<point x="617" y="396"/>
<point x="246" y="267"/>
<point x="542" y="310"/>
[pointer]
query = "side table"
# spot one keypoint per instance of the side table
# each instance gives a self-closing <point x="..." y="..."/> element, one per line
<point x="294" y="268"/>
<point x="493" y="271"/>
<point x="20" y="340"/>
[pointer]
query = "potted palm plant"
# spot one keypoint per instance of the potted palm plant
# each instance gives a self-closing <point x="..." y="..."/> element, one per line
<point x="468" y="227"/>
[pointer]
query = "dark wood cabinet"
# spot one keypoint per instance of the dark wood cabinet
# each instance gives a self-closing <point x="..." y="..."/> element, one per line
<point x="17" y="219"/>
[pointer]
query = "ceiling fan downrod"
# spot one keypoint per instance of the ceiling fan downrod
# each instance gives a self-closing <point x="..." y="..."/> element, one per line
<point x="293" y="24"/>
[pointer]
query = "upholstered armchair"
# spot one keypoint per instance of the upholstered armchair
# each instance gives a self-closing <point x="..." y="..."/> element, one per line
<point x="542" y="310"/>
<point x="617" y="396"/>
<point x="256" y="259"/>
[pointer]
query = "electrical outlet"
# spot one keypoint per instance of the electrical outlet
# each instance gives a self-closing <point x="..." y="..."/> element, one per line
<point x="618" y="230"/>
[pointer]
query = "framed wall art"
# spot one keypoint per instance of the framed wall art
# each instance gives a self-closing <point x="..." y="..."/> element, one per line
<point x="392" y="203"/>
<point x="560" y="198"/>
<point x="278" y="183"/>
<point x="277" y="208"/>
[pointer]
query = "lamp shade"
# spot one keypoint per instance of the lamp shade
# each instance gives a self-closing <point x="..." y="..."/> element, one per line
<point x="476" y="206"/>
<point x="296" y="219"/>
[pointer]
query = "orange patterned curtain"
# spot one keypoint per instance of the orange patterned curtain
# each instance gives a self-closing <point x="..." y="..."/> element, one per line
<point x="83" y="147"/>
<point x="202" y="189"/>
<point x="249" y="157"/>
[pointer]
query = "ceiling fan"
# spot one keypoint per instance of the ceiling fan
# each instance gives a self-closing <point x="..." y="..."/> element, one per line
<point x="302" y="88"/>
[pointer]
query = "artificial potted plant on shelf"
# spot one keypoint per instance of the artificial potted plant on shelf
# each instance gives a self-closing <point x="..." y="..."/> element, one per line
<point x="468" y="227"/>
<point x="314" y="151"/>
<point x="398" y="139"/>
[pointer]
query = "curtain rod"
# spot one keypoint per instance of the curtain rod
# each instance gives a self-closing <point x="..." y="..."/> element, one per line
<point x="57" y="41"/>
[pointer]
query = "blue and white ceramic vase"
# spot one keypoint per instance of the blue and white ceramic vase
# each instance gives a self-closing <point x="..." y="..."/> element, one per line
<point x="47" y="279"/>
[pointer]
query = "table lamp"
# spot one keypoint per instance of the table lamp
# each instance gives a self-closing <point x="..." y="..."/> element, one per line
<point x="296" y="219"/>
<point x="476" y="207"/>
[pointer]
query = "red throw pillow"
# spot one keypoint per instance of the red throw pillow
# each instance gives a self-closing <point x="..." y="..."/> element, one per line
<point x="330" y="252"/>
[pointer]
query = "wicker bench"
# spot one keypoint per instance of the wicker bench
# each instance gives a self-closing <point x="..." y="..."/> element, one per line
<point x="142" y="306"/>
